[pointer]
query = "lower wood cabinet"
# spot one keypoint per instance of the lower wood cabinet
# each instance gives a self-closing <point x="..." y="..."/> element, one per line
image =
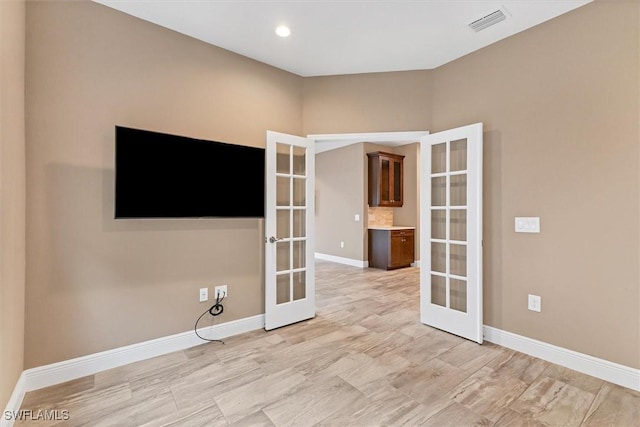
<point x="391" y="249"/>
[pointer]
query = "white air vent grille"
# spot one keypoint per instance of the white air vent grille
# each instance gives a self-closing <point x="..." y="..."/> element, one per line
<point x="487" y="21"/>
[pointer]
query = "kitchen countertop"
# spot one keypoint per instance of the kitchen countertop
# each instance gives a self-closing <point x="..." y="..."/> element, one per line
<point x="392" y="227"/>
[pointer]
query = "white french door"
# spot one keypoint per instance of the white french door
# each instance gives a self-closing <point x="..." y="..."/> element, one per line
<point x="451" y="231"/>
<point x="289" y="230"/>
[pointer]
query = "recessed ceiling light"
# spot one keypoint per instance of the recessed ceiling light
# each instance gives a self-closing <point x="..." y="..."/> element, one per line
<point x="283" y="31"/>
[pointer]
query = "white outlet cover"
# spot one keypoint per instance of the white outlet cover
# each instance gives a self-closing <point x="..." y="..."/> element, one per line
<point x="534" y="303"/>
<point x="527" y="224"/>
<point x="356" y="217"/>
<point x="221" y="289"/>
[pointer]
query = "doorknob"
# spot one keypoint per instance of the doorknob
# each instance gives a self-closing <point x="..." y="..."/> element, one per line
<point x="274" y="239"/>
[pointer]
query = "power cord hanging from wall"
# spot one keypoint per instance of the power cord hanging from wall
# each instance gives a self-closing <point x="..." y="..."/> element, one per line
<point x="215" y="310"/>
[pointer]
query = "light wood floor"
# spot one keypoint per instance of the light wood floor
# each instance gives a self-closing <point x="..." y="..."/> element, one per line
<point x="364" y="360"/>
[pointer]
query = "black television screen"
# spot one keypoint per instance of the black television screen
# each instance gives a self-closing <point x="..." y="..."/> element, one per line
<point x="167" y="176"/>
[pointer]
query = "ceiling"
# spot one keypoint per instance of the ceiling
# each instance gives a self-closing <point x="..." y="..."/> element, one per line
<point x="333" y="37"/>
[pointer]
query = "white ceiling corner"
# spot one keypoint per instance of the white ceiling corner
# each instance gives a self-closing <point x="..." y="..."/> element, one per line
<point x="332" y="37"/>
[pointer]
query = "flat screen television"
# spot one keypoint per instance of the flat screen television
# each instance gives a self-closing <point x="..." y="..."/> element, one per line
<point x="167" y="176"/>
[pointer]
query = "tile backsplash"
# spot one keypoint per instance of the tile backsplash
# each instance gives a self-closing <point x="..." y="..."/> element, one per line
<point x="380" y="217"/>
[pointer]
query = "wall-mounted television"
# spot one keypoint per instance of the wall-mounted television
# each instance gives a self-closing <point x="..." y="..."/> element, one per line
<point x="158" y="175"/>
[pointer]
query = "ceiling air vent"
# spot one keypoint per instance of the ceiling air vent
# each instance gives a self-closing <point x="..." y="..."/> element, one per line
<point x="487" y="21"/>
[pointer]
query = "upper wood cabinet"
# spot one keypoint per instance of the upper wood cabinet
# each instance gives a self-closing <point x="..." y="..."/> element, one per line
<point x="385" y="179"/>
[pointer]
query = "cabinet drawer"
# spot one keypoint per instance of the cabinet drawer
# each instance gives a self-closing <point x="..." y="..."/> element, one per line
<point x="395" y="233"/>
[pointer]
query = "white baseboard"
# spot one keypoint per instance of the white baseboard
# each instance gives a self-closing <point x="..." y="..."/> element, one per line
<point x="15" y="401"/>
<point x="599" y="368"/>
<point x="56" y="373"/>
<point x="342" y="260"/>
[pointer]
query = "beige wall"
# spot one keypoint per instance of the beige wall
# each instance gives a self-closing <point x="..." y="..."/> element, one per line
<point x="560" y="106"/>
<point x="94" y="283"/>
<point x="339" y="196"/>
<point x="12" y="195"/>
<point x="376" y="102"/>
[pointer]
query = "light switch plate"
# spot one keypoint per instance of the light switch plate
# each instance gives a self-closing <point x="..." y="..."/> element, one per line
<point x="527" y="224"/>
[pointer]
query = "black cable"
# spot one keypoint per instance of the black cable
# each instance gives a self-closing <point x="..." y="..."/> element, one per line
<point x="215" y="310"/>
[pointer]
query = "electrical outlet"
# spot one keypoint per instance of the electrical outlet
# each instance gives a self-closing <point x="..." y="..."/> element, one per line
<point x="221" y="291"/>
<point x="204" y="294"/>
<point x="342" y="244"/>
<point x="535" y="303"/>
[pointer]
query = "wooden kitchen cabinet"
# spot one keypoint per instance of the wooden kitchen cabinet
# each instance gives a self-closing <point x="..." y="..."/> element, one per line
<point x="391" y="248"/>
<point x="385" y="179"/>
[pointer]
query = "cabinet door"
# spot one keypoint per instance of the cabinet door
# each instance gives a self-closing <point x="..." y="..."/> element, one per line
<point x="397" y="183"/>
<point x="385" y="179"/>
<point x="401" y="248"/>
<point x="408" y="249"/>
<point x="396" y="250"/>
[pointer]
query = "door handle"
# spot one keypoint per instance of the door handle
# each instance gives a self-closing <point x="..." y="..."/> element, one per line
<point x="274" y="239"/>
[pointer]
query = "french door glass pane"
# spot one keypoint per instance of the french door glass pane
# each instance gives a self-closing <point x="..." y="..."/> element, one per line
<point x="438" y="290"/>
<point x="282" y="191"/>
<point x="282" y="158"/>
<point x="439" y="191"/>
<point x="299" y="253"/>
<point x="458" y="190"/>
<point x="282" y="224"/>
<point x="299" y="161"/>
<point x="299" y="285"/>
<point x="439" y="257"/>
<point x="458" y="260"/>
<point x="283" y="256"/>
<point x="458" y="295"/>
<point x="439" y="158"/>
<point x="299" y="193"/>
<point x="458" y="155"/>
<point x="439" y="224"/>
<point x="456" y="227"/>
<point x="299" y="224"/>
<point x="283" y="289"/>
<point x="458" y="224"/>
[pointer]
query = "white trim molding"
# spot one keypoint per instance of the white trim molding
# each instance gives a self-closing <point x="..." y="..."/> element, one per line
<point x="55" y="373"/>
<point x="342" y="260"/>
<point x="67" y="370"/>
<point x="599" y="368"/>
<point x="14" y="403"/>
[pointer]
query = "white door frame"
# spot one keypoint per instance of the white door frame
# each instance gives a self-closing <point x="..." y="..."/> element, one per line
<point x="325" y="142"/>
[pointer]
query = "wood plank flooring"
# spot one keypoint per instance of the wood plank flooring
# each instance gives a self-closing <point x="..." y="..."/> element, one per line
<point x="364" y="360"/>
